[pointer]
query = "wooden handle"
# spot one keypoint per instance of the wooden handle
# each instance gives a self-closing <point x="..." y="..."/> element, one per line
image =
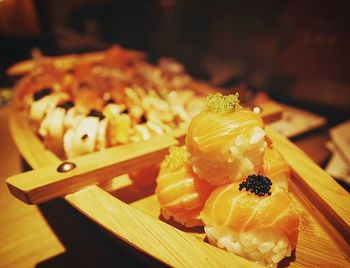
<point x="47" y="183"/>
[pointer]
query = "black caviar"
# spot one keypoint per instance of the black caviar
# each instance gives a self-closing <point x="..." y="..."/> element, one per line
<point x="257" y="184"/>
<point x="66" y="105"/>
<point x="42" y="93"/>
<point x="96" y="113"/>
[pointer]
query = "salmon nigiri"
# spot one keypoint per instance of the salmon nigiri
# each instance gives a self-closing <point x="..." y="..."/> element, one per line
<point x="276" y="168"/>
<point x="253" y="219"/>
<point x="225" y="143"/>
<point x="181" y="194"/>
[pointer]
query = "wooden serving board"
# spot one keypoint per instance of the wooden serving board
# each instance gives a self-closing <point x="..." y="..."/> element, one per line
<point x="133" y="215"/>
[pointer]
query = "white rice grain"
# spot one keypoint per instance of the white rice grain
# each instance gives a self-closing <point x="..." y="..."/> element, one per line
<point x="266" y="246"/>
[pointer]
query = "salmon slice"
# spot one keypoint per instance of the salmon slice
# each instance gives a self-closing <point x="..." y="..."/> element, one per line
<point x="243" y="211"/>
<point x="226" y="147"/>
<point x="181" y="194"/>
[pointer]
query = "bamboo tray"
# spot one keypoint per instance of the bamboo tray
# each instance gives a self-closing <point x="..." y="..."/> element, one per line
<point x="132" y="214"/>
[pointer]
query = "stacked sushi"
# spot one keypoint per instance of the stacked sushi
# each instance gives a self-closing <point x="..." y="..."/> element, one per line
<point x="229" y="179"/>
<point x="181" y="193"/>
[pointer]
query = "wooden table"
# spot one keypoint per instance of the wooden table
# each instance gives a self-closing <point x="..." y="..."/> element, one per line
<point x="56" y="235"/>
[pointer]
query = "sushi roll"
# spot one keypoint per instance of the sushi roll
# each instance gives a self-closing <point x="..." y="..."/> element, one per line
<point x="225" y="143"/>
<point x="53" y="127"/>
<point x="140" y="132"/>
<point x="85" y="137"/>
<point x="101" y="140"/>
<point x="181" y="194"/>
<point x="43" y="102"/>
<point x="253" y="219"/>
<point x="118" y="125"/>
<point x="276" y="168"/>
<point x="118" y="129"/>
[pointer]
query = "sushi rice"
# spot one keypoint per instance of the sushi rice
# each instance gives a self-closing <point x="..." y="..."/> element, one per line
<point x="265" y="246"/>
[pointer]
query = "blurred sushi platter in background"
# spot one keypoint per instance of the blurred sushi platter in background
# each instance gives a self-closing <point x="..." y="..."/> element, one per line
<point x="296" y="121"/>
<point x="79" y="104"/>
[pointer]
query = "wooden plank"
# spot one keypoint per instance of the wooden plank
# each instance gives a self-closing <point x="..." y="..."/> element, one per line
<point x="325" y="254"/>
<point x="271" y="111"/>
<point x="26" y="238"/>
<point x="158" y="239"/>
<point x="316" y="184"/>
<point x="315" y="248"/>
<point x="40" y="185"/>
<point x="319" y="245"/>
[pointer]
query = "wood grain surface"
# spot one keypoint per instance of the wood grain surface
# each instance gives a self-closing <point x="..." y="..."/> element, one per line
<point x="139" y="224"/>
<point x="46" y="183"/>
<point x="26" y="239"/>
<point x="41" y="185"/>
<point x="320" y="187"/>
<point x="168" y="244"/>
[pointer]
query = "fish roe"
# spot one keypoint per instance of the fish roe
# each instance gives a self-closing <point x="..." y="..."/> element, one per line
<point x="257" y="184"/>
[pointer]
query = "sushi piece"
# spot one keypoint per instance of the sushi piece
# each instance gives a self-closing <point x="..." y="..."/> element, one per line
<point x="118" y="129"/>
<point x="101" y="140"/>
<point x="52" y="131"/>
<point x="276" y="168"/>
<point x="225" y="143"/>
<point x="112" y="110"/>
<point x="83" y="138"/>
<point x="72" y="118"/>
<point x="43" y="102"/>
<point x="253" y="219"/>
<point x="140" y="132"/>
<point x="119" y="124"/>
<point x="181" y="194"/>
<point x="53" y="128"/>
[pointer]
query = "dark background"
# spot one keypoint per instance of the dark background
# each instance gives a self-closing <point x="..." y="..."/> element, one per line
<point x="298" y="51"/>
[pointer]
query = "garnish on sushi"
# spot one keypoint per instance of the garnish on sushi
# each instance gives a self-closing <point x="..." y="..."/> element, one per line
<point x="257" y="184"/>
<point x="225" y="142"/>
<point x="223" y="104"/>
<point x="260" y="224"/>
<point x="181" y="194"/>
